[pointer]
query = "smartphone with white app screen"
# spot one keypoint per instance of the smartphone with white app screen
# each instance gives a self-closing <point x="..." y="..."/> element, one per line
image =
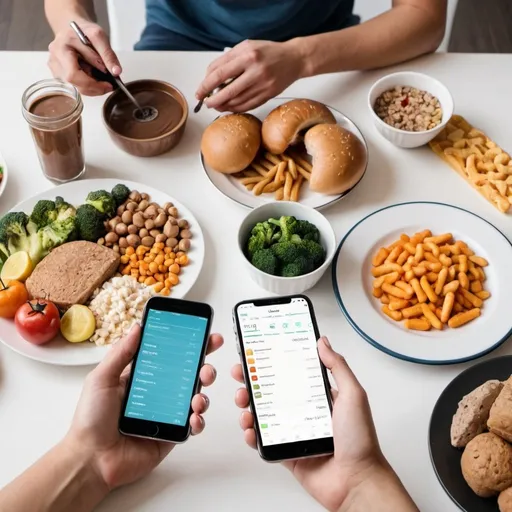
<point x="165" y="370"/>
<point x="288" y="385"/>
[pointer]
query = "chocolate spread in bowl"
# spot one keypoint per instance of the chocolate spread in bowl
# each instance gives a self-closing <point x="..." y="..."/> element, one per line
<point x="123" y="121"/>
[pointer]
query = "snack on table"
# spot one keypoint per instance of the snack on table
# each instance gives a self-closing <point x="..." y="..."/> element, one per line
<point x="338" y="158"/>
<point x="500" y="418"/>
<point x="487" y="465"/>
<point x="71" y="272"/>
<point x="231" y="142"/>
<point x="409" y="109"/>
<point x="479" y="160"/>
<point x="117" y="305"/>
<point x="285" y="124"/>
<point x="472" y="413"/>
<point x="429" y="281"/>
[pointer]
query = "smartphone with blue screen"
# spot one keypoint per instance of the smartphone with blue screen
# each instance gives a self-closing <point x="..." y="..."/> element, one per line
<point x="165" y="370"/>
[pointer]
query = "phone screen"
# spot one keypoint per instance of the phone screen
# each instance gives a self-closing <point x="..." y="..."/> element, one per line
<point x="166" y="367"/>
<point x="285" y="374"/>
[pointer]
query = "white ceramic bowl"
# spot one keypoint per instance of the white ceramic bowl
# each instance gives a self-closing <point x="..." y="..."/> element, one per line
<point x="287" y="285"/>
<point x="402" y="138"/>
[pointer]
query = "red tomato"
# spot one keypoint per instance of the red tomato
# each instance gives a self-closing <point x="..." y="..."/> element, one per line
<point x="38" y="321"/>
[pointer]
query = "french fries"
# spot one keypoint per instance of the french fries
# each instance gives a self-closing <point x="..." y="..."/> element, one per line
<point x="429" y="281"/>
<point x="283" y="175"/>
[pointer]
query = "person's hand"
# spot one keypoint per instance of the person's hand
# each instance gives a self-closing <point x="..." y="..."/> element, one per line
<point x="120" y="459"/>
<point x="260" y="69"/>
<point x="71" y="61"/>
<point x="357" y="453"/>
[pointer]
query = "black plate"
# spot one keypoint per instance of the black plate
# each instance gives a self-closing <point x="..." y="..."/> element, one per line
<point x="445" y="458"/>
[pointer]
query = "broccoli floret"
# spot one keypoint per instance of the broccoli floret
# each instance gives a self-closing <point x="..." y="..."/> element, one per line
<point x="261" y="238"/>
<point x="64" y="209"/>
<point x="4" y="254"/>
<point x="13" y="225"/>
<point x="287" y="252"/>
<point x="57" y="233"/>
<point x="120" y="193"/>
<point x="314" y="252"/>
<point x="89" y="222"/>
<point x="287" y="225"/>
<point x="102" y="201"/>
<point x="307" y="231"/>
<point x="299" y="267"/>
<point x="265" y="261"/>
<point x="255" y="243"/>
<point x="18" y="233"/>
<point x="44" y="213"/>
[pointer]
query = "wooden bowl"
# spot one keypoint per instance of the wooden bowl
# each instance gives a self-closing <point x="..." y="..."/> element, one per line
<point x="152" y="146"/>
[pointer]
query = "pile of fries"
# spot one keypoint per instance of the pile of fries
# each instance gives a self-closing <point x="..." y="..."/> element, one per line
<point x="282" y="175"/>
<point x="429" y="281"/>
<point x="479" y="160"/>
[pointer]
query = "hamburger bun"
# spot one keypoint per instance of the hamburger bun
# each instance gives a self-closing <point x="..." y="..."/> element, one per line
<point x="500" y="418"/>
<point x="338" y="158"/>
<point x="231" y="142"/>
<point x="283" y="126"/>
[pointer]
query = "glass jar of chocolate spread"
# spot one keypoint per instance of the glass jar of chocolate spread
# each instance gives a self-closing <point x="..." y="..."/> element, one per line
<point x="53" y="110"/>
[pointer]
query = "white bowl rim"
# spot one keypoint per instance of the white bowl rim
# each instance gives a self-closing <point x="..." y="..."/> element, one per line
<point x="405" y="73"/>
<point x="321" y="268"/>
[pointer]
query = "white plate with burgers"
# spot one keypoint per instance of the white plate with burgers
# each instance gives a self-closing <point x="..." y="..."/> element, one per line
<point x="241" y="154"/>
<point x="64" y="277"/>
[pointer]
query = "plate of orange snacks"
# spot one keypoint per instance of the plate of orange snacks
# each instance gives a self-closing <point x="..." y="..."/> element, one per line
<point x="432" y="283"/>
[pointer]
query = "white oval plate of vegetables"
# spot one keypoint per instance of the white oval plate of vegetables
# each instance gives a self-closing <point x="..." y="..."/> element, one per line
<point x="58" y="351"/>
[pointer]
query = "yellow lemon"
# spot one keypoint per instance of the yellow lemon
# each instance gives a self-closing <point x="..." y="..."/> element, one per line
<point x="78" y="324"/>
<point x="17" y="267"/>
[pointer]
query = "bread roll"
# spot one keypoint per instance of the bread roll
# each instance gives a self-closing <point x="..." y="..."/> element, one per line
<point x="338" y="158"/>
<point x="487" y="464"/>
<point x="231" y="142"/>
<point x="505" y="500"/>
<point x="283" y="126"/>
<point x="473" y="412"/>
<point x="500" y="418"/>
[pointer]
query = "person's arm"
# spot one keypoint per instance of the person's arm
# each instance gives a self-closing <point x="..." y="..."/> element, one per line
<point x="60" y="12"/>
<point x="64" y="479"/>
<point x="411" y="28"/>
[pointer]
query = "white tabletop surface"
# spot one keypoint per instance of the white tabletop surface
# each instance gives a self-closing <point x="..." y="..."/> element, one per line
<point x="216" y="471"/>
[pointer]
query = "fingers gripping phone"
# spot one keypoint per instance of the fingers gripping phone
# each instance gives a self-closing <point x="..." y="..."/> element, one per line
<point x="165" y="370"/>
<point x="288" y="385"/>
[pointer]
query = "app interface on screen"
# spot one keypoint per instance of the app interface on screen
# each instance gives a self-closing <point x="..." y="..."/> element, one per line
<point x="285" y="375"/>
<point x="166" y="367"/>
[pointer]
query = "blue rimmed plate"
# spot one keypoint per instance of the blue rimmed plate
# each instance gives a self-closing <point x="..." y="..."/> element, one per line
<point x="352" y="282"/>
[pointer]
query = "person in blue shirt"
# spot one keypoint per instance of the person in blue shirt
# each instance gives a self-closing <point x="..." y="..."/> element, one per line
<point x="272" y="43"/>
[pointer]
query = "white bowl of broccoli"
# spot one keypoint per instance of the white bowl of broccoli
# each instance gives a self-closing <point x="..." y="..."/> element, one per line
<point x="286" y="246"/>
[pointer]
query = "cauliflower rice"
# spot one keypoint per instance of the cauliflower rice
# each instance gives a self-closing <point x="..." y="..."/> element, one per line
<point x="117" y="305"/>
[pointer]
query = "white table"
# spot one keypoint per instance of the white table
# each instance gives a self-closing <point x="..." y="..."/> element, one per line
<point x="216" y="471"/>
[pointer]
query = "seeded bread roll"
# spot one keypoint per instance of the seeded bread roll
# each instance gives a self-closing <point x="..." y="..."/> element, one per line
<point x="473" y="412"/>
<point x="500" y="418"/>
<point x="487" y="465"/>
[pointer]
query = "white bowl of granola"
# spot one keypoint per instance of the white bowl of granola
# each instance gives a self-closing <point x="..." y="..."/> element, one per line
<point x="409" y="109"/>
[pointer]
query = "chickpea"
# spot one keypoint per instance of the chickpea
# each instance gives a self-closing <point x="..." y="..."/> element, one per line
<point x="144" y="196"/>
<point x="170" y="230"/>
<point x="150" y="224"/>
<point x="133" y="229"/>
<point x="171" y="242"/>
<point x="160" y="210"/>
<point x="166" y="206"/>
<point x="121" y="229"/>
<point x="183" y="224"/>
<point x="148" y="241"/>
<point x="127" y="217"/>
<point x="172" y="220"/>
<point x="133" y="240"/>
<point x="116" y="248"/>
<point x="112" y="223"/>
<point x="184" y="245"/>
<point x="111" y="238"/>
<point x="135" y="196"/>
<point x="122" y="250"/>
<point x="138" y="220"/>
<point x="121" y="209"/>
<point x="143" y="205"/>
<point x="154" y="232"/>
<point x="186" y="233"/>
<point x="131" y="206"/>
<point x="161" y="238"/>
<point x="123" y="243"/>
<point x="101" y="241"/>
<point x="160" y="220"/>
<point x="173" y="211"/>
<point x="143" y="232"/>
<point x="150" y="212"/>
